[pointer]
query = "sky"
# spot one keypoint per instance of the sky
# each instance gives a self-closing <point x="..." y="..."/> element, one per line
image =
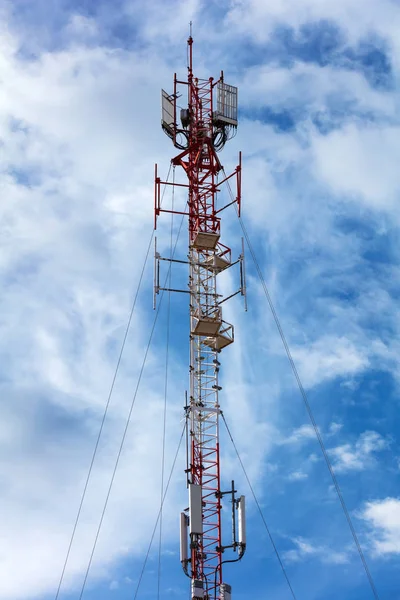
<point x="319" y="125"/>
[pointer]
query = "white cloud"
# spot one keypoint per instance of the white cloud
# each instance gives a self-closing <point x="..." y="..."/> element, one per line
<point x="358" y="456"/>
<point x="305" y="550"/>
<point x="313" y="458"/>
<point x="304" y="433"/>
<point x="334" y="428"/>
<point x="328" y="357"/>
<point x="297" y="476"/>
<point x="317" y="90"/>
<point x="383" y="516"/>
<point x="361" y="162"/>
<point x="256" y="18"/>
<point x="299" y="435"/>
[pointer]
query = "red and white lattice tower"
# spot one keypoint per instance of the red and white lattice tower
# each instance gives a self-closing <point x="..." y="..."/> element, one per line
<point x="207" y="122"/>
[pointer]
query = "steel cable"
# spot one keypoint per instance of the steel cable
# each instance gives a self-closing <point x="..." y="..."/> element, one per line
<point x="158" y="516"/>
<point x="308" y="406"/>
<point x="259" y="509"/>
<point x="166" y="385"/>
<point x="127" y="423"/>
<point x="106" y="408"/>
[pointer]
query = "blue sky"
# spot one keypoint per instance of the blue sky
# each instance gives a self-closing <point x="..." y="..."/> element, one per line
<point x="80" y="133"/>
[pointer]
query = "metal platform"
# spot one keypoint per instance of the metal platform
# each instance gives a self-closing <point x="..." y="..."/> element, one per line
<point x="205" y="240"/>
<point x="224" y="337"/>
<point x="207" y="326"/>
<point x="216" y="263"/>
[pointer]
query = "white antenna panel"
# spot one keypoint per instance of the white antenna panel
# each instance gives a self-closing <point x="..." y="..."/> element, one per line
<point x="167" y="111"/>
<point x="227" y="103"/>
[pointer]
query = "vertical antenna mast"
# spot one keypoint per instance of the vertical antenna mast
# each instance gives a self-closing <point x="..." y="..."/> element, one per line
<point x="206" y="124"/>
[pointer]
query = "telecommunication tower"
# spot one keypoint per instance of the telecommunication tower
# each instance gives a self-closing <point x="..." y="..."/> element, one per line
<point x="205" y="124"/>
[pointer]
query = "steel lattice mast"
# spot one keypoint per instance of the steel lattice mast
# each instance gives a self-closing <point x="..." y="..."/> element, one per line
<point x="203" y="131"/>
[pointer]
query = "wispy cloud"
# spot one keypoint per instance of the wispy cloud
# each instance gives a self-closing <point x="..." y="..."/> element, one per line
<point x="297" y="476"/>
<point x="305" y="550"/>
<point x="360" y="455"/>
<point x="306" y="432"/>
<point x="299" y="435"/>
<point x="329" y="357"/>
<point x="334" y="428"/>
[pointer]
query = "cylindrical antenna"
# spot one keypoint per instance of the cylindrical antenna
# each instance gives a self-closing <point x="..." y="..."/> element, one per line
<point x="184" y="539"/>
<point x="242" y="524"/>
<point x="233" y="514"/>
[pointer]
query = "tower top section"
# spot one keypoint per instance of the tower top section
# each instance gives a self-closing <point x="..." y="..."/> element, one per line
<point x="211" y="112"/>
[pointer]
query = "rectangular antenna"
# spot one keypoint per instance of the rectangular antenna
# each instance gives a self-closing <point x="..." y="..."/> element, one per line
<point x="167" y="112"/>
<point x="195" y="509"/>
<point x="227" y="103"/>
